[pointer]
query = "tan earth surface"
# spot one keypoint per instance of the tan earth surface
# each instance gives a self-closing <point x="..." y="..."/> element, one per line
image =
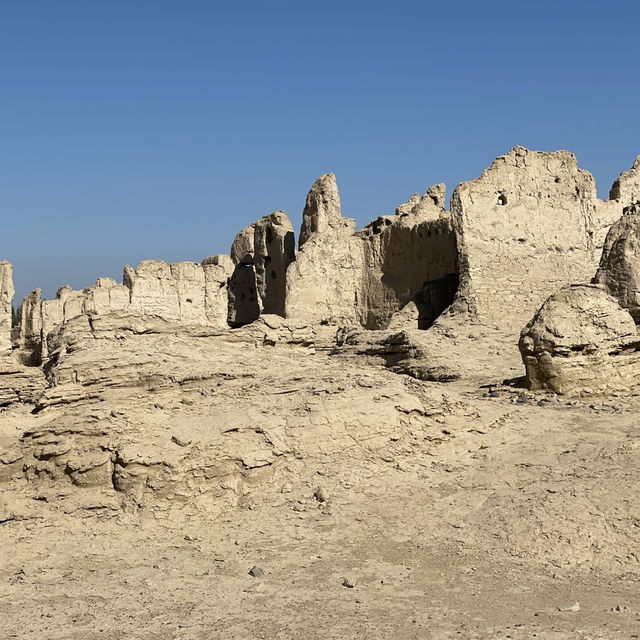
<point x="465" y="509"/>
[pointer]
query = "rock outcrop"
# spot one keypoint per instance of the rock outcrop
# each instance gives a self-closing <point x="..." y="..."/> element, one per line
<point x="619" y="270"/>
<point x="274" y="251"/>
<point x="530" y="224"/>
<point x="6" y="298"/>
<point x="581" y="342"/>
<point x="242" y="244"/>
<point x="408" y="258"/>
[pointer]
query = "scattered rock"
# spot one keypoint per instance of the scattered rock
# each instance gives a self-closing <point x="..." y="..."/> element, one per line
<point x="573" y="606"/>
<point x="256" y="572"/>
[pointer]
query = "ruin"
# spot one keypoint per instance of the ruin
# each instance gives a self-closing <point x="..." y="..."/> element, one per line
<point x="529" y="225"/>
<point x="294" y="406"/>
<point x="619" y="270"/>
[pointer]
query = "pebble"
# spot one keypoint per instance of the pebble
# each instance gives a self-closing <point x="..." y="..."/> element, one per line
<point x="575" y="606"/>
<point x="320" y="495"/>
<point x="350" y="583"/>
<point x="256" y="572"/>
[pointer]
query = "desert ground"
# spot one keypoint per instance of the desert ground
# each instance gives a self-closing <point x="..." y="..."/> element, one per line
<point x="375" y="504"/>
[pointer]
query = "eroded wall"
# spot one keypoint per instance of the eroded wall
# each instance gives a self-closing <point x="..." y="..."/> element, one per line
<point x="530" y="224"/>
<point x="183" y="292"/>
<point x="364" y="277"/>
<point x="6" y="298"/>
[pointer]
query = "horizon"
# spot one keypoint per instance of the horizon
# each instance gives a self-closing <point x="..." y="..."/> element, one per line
<point x="158" y="132"/>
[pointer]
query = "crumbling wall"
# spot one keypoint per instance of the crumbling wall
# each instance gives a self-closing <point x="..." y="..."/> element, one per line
<point x="6" y="298"/>
<point x="217" y="270"/>
<point x="619" y="270"/>
<point x="274" y="251"/>
<point x="409" y="258"/>
<point x="30" y="341"/>
<point x="183" y="292"/>
<point x="626" y="189"/>
<point x="530" y="224"/>
<point x="262" y="252"/>
<point x="342" y="277"/>
<point x="323" y="282"/>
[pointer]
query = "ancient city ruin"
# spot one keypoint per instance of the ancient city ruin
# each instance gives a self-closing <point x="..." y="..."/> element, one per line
<point x="193" y="388"/>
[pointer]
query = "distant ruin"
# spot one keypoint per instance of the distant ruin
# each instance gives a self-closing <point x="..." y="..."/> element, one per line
<point x="529" y="225"/>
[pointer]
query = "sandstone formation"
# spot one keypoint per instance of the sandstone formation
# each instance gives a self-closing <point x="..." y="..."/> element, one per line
<point x="6" y="298"/>
<point x="530" y="224"/>
<point x="619" y="270"/>
<point x="581" y="342"/>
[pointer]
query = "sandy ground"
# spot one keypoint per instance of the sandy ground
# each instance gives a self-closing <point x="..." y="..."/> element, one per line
<point x="503" y="510"/>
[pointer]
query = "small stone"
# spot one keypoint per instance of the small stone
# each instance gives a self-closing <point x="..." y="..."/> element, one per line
<point x="320" y="495"/>
<point x="287" y="487"/>
<point x="181" y="442"/>
<point x="575" y="606"/>
<point x="349" y="583"/>
<point x="256" y="572"/>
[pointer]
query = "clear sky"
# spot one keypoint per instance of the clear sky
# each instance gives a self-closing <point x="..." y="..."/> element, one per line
<point x="133" y="129"/>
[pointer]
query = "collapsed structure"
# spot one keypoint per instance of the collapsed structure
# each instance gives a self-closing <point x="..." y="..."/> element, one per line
<point x="529" y="225"/>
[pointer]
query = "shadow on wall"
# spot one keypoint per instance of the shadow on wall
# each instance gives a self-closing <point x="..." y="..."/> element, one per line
<point x="434" y="297"/>
<point x="416" y="263"/>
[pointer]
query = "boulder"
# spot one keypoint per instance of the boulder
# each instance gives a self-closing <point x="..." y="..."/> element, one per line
<point x="581" y="342"/>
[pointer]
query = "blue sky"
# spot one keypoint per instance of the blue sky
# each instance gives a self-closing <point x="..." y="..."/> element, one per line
<point x="157" y="129"/>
